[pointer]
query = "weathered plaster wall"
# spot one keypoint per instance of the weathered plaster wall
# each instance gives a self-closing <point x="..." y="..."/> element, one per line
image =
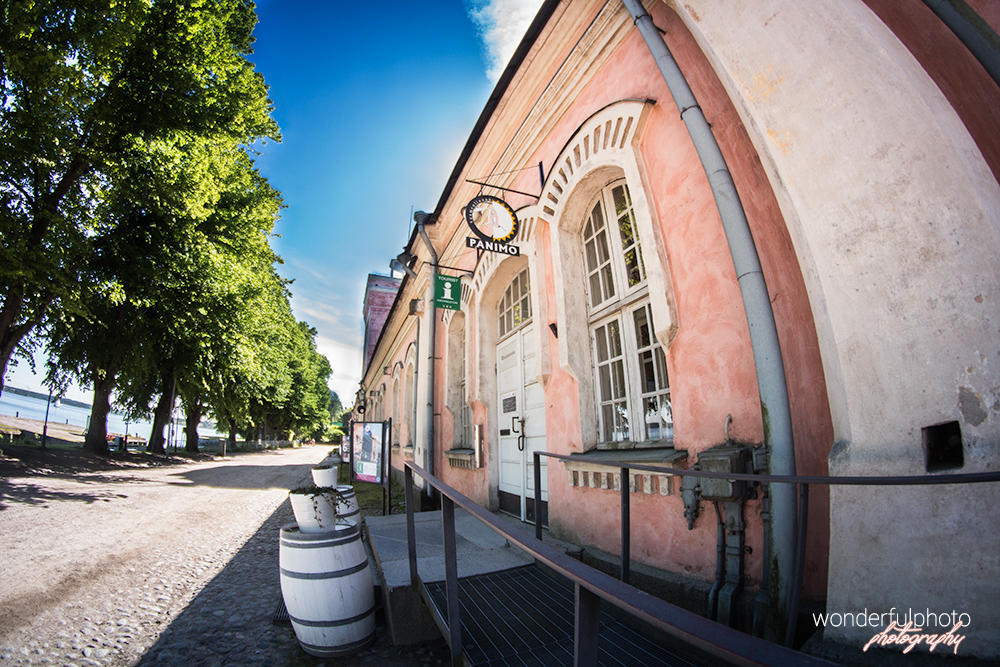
<point x="710" y="360"/>
<point x="893" y="212"/>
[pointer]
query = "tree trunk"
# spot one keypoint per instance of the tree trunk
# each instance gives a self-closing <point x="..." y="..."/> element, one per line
<point x="161" y="415"/>
<point x="232" y="436"/>
<point x="11" y="335"/>
<point x="191" y="427"/>
<point x="96" y="441"/>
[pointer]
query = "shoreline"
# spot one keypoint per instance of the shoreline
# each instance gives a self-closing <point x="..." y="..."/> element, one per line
<point x="71" y="433"/>
<point x="66" y="432"/>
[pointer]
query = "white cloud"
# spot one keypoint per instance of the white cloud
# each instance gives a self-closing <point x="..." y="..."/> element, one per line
<point x="501" y="25"/>
<point x="345" y="359"/>
<point x="339" y="337"/>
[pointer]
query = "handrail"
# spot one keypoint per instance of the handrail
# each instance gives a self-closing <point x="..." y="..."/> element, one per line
<point x="591" y="586"/>
<point x="801" y="481"/>
<point x="902" y="480"/>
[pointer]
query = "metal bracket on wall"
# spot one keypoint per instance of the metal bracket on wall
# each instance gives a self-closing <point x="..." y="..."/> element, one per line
<point x="690" y="491"/>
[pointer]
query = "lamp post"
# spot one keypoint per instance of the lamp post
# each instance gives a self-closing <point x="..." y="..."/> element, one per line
<point x="45" y="428"/>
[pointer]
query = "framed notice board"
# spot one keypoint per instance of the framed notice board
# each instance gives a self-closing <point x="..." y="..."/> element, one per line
<point x="369" y="456"/>
<point x="368" y="447"/>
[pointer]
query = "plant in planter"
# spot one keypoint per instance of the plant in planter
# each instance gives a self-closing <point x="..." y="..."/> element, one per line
<point x="325" y="474"/>
<point x="316" y="508"/>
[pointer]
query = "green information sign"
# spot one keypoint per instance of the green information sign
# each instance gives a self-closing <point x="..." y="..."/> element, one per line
<point x="447" y="292"/>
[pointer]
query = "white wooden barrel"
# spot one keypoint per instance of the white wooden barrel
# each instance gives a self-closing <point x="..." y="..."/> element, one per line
<point x="347" y="504"/>
<point x="328" y="590"/>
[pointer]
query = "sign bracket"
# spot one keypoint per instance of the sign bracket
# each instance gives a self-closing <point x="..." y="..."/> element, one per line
<point x="541" y="182"/>
<point x="526" y="194"/>
<point x="454" y="268"/>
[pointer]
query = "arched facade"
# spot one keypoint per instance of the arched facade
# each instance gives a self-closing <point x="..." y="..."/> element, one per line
<point x="875" y="219"/>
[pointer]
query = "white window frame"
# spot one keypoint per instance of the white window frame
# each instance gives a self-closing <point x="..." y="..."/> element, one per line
<point x="517" y="305"/>
<point x="624" y="414"/>
<point x="396" y="406"/>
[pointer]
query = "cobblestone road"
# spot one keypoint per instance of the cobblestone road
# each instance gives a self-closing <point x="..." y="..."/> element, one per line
<point x="199" y="590"/>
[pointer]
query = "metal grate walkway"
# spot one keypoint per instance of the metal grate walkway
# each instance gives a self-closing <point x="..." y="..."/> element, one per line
<point x="524" y="618"/>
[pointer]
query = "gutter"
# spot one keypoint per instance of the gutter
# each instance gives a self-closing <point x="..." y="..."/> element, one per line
<point x="771" y="384"/>
<point x="421" y="218"/>
<point x="977" y="35"/>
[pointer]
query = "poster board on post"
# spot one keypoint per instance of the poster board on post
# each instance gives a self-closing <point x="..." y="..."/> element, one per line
<point x="368" y="451"/>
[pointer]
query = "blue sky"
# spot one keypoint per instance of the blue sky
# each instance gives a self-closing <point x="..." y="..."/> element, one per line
<point x="375" y="101"/>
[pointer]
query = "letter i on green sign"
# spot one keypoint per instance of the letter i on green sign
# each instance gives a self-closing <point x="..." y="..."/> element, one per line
<point x="447" y="292"/>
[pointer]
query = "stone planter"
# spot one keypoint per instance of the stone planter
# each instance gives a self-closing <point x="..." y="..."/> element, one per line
<point x="315" y="508"/>
<point x="325" y="474"/>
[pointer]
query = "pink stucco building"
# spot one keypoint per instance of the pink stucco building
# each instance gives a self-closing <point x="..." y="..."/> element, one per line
<point x="862" y="140"/>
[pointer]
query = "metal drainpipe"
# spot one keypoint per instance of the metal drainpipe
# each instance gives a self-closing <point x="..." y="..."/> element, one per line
<point x="421" y="218"/>
<point x="720" y="564"/>
<point x="760" y="318"/>
<point x="977" y="35"/>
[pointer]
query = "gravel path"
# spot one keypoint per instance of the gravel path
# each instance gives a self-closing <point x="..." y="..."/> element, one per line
<point x="128" y="563"/>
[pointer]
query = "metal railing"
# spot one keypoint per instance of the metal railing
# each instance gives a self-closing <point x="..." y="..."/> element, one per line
<point x="591" y="586"/>
<point x="802" y="484"/>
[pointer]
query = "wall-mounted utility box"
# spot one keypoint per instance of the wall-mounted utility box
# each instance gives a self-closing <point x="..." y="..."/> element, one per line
<point x="725" y="459"/>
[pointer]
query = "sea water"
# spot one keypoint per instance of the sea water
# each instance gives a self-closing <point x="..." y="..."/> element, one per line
<point x="29" y="407"/>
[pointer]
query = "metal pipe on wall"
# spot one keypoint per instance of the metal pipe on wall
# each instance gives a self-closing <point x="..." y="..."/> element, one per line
<point x="760" y="318"/>
<point x="720" y="564"/>
<point x="421" y="218"/>
<point x="977" y="35"/>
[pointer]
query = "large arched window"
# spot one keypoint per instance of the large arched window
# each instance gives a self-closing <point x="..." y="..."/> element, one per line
<point x="410" y="396"/>
<point x="380" y="403"/>
<point x="395" y="409"/>
<point x="630" y="372"/>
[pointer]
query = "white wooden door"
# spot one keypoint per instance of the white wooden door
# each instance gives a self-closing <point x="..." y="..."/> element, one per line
<point x="521" y="422"/>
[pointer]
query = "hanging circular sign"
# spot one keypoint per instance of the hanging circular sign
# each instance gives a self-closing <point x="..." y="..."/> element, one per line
<point x="491" y="218"/>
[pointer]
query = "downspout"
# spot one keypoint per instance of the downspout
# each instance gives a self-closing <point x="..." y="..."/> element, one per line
<point x="720" y="564"/>
<point x="760" y="318"/>
<point x="977" y="35"/>
<point x="421" y="219"/>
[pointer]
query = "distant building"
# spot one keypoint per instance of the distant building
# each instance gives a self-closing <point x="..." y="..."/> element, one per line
<point x="863" y="139"/>
<point x="380" y="292"/>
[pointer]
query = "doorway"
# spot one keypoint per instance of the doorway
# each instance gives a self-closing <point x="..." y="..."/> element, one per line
<point x="520" y="406"/>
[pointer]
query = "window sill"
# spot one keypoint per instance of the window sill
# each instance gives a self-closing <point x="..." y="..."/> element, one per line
<point x="592" y="469"/>
<point x="627" y="445"/>
<point x="462" y="458"/>
<point x="408" y="452"/>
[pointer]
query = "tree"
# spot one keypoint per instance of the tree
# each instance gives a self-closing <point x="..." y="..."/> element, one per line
<point x="216" y="258"/>
<point x="84" y="91"/>
<point x="336" y="407"/>
<point x="180" y="238"/>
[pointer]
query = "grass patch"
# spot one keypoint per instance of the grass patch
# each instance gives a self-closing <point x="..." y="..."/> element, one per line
<point x="370" y="498"/>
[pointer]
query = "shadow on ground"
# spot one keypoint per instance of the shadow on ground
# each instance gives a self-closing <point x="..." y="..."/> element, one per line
<point x="26" y="461"/>
<point x="231" y="621"/>
<point x="19" y="464"/>
<point x="33" y="494"/>
<point x="210" y="476"/>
